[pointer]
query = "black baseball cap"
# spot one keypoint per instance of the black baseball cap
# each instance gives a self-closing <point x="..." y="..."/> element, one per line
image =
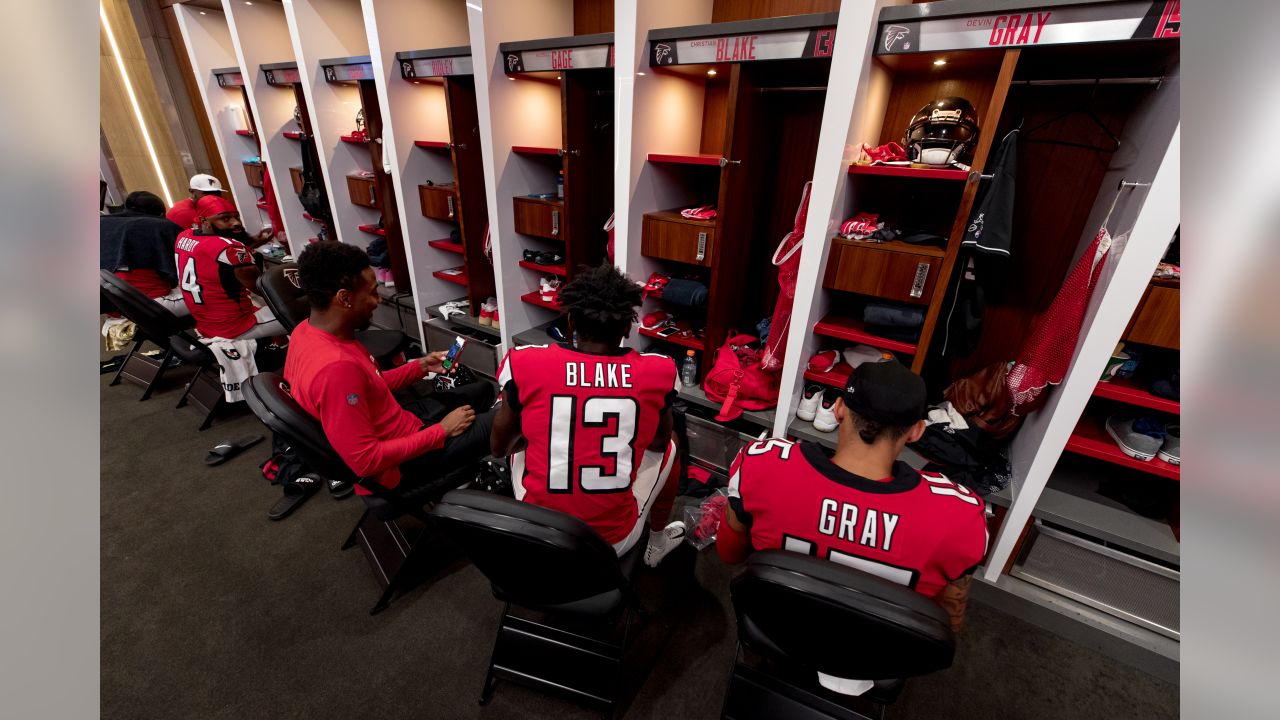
<point x="886" y="392"/>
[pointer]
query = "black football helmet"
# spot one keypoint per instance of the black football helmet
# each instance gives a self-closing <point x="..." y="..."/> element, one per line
<point x="943" y="132"/>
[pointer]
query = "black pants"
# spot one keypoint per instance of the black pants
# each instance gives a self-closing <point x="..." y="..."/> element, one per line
<point x="428" y="474"/>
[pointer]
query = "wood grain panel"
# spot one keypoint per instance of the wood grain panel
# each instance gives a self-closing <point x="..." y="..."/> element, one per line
<point x="363" y="191"/>
<point x="439" y="201"/>
<point x="868" y="270"/>
<point x="386" y="192"/>
<point x="592" y="16"/>
<point x="295" y="174"/>
<point x="715" y="111"/>
<point x="1156" y="321"/>
<point x="668" y="236"/>
<point x="588" y="181"/>
<point x="539" y="217"/>
<point x="468" y="175"/>
<point x="253" y="173"/>
<point x="728" y="10"/>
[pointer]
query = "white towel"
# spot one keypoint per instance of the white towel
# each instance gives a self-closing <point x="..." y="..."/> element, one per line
<point x="235" y="363"/>
<point x="946" y="414"/>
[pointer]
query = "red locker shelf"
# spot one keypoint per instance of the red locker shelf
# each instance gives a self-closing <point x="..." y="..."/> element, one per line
<point x="309" y="216"/>
<point x="1126" y="391"/>
<point x="459" y="277"/>
<point x="908" y="171"/>
<point x="446" y="245"/>
<point x="436" y="144"/>
<point x="838" y="376"/>
<point x="293" y="134"/>
<point x="1090" y="438"/>
<point x="245" y="133"/>
<point x="688" y="342"/>
<point x="698" y="159"/>
<point x="372" y="229"/>
<point x="851" y="328"/>
<point x="558" y="270"/>
<point x="262" y="204"/>
<point x="532" y="150"/>
<point x="535" y="298"/>
<point x="358" y="139"/>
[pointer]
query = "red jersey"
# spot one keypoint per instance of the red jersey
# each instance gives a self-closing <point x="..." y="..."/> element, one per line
<point x="183" y="213"/>
<point x="917" y="529"/>
<point x="150" y="282"/>
<point x="338" y="383"/>
<point x="588" y="420"/>
<point x="206" y="274"/>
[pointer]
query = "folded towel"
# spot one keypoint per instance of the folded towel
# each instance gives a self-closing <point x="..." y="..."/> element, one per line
<point x="689" y="293"/>
<point x="892" y="315"/>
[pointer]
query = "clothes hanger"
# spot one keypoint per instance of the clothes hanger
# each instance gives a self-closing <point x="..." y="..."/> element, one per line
<point x="1087" y="111"/>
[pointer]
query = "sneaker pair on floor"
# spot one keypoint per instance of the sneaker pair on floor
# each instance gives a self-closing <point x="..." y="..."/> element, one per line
<point x="1144" y="438"/>
<point x="817" y="405"/>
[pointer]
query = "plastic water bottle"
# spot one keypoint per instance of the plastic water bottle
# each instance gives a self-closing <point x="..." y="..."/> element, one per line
<point x="689" y="370"/>
<point x="560" y="184"/>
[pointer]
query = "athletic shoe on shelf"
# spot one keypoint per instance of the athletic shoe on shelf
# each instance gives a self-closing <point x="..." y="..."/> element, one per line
<point x="487" y="310"/>
<point x="496" y="324"/>
<point x="549" y="287"/>
<point x="1171" y="451"/>
<point x="824" y="419"/>
<point x="1138" y="438"/>
<point x="662" y="542"/>
<point x="809" y="403"/>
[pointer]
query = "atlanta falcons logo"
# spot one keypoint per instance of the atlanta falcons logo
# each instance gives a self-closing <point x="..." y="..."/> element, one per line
<point x="662" y="53"/>
<point x="231" y="353"/>
<point x="291" y="274"/>
<point x="513" y="61"/>
<point x="407" y="69"/>
<point x="893" y="34"/>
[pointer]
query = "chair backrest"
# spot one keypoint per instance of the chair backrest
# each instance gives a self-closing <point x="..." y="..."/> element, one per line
<point x="146" y="313"/>
<point x="268" y="398"/>
<point x="812" y="613"/>
<point x="279" y="287"/>
<point x="533" y="556"/>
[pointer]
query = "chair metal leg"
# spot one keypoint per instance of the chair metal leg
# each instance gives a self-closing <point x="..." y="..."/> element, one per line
<point x="355" y="531"/>
<point x="208" y="418"/>
<point x="115" y="379"/>
<point x="155" y="380"/>
<point x="409" y="565"/>
<point x="489" y="678"/>
<point x="182" y="401"/>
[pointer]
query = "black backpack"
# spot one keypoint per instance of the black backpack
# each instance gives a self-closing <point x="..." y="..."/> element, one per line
<point x="313" y="197"/>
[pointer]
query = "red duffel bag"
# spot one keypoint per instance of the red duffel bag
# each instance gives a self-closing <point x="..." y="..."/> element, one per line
<point x="737" y="380"/>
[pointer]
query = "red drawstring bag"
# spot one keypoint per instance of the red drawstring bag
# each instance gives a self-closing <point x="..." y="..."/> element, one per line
<point x="787" y="259"/>
<point x="737" y="380"/>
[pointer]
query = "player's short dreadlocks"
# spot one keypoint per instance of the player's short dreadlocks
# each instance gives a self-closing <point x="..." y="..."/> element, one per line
<point x="328" y="266"/>
<point x="601" y="302"/>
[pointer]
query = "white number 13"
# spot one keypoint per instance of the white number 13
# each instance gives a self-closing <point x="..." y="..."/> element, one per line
<point x="596" y="412"/>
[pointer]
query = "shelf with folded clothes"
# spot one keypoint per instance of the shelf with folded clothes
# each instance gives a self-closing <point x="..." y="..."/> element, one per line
<point x="447" y="245"/>
<point x="854" y="329"/>
<point x="1118" y="506"/>
<point x="923" y="172"/>
<point x="684" y="341"/>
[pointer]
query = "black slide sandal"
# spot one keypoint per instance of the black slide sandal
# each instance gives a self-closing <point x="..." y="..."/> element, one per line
<point x="295" y="493"/>
<point x="340" y="489"/>
<point x="224" y="451"/>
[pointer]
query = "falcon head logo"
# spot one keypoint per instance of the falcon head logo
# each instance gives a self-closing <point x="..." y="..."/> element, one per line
<point x="407" y="69"/>
<point x="231" y="353"/>
<point x="662" y="53"/>
<point x="513" y="62"/>
<point x="893" y="34"/>
<point x="291" y="274"/>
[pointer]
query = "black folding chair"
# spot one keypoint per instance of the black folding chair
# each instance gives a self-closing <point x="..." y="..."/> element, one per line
<point x="556" y="566"/>
<point x="394" y="555"/>
<point x="279" y="287"/>
<point x="804" y="616"/>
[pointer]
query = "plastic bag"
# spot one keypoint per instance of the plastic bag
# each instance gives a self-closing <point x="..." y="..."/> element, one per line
<point x="703" y="520"/>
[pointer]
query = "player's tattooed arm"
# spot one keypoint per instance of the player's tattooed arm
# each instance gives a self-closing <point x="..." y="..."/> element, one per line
<point x="954" y="598"/>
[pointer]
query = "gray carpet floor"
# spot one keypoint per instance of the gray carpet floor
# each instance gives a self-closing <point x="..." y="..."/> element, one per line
<point x="209" y="610"/>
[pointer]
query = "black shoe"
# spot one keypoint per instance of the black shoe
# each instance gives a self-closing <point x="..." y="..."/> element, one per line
<point x="340" y="489"/>
<point x="549" y="258"/>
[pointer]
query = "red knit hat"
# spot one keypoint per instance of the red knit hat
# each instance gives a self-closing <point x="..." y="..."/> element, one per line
<point x="211" y="205"/>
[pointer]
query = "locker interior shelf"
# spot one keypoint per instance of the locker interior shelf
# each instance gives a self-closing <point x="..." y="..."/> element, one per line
<point x="245" y="133"/>
<point x="535" y="298"/>
<point x="447" y="246"/>
<point x="534" y="150"/>
<point x="680" y="159"/>
<point x="907" y="171"/>
<point x="1127" y="391"/>
<point x="466" y="321"/>
<point x="310" y="217"/>
<point x="895" y="246"/>
<point x="432" y="144"/>
<point x="695" y="395"/>
<point x="459" y="277"/>
<point x="836" y="377"/>
<point x="1071" y="499"/>
<point x="372" y="229"/>
<point x="358" y="139"/>
<point x="557" y="270"/>
<point x="1090" y="438"/>
<point x="262" y="204"/>
<point x="293" y="134"/>
<point x="849" y="328"/>
<point x="686" y="342"/>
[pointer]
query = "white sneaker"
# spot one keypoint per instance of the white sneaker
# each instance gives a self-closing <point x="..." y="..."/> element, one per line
<point x="824" y="420"/>
<point x="662" y="542"/>
<point x="809" y="403"/>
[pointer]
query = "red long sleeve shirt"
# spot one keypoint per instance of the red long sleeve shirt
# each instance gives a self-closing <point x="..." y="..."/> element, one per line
<point x="338" y="383"/>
